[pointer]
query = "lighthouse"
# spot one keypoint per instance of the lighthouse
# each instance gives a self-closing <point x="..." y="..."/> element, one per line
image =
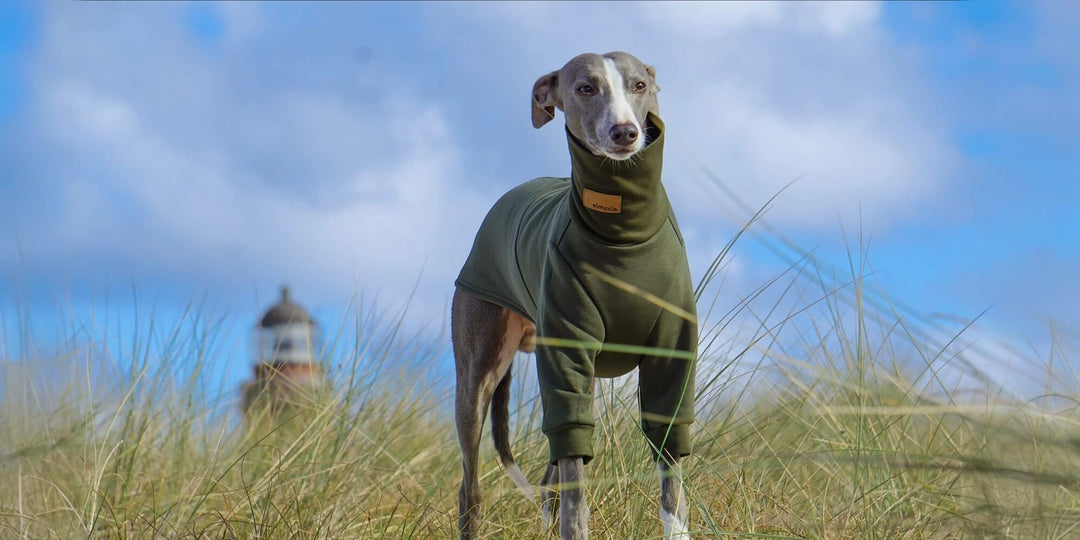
<point x="286" y="370"/>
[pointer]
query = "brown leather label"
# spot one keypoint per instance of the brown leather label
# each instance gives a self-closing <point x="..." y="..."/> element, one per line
<point x="601" y="202"/>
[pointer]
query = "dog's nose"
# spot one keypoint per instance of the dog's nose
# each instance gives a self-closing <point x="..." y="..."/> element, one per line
<point x="625" y="133"/>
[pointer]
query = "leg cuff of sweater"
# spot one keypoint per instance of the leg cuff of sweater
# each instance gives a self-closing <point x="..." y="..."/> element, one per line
<point x="571" y="441"/>
<point x="671" y="440"/>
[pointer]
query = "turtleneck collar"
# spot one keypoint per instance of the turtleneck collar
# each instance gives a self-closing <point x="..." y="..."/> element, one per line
<point x="621" y="201"/>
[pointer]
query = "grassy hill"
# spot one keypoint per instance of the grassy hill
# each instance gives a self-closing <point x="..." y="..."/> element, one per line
<point x="828" y="420"/>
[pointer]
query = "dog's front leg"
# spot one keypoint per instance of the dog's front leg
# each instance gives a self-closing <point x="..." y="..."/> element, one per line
<point x="674" y="512"/>
<point x="573" y="506"/>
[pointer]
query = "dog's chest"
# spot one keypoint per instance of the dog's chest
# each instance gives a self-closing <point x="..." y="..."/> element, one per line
<point x="624" y="283"/>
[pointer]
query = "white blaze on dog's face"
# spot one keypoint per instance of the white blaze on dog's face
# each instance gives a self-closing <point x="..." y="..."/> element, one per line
<point x="605" y="99"/>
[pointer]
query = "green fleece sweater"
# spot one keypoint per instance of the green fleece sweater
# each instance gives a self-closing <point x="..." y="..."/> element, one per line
<point x="575" y="255"/>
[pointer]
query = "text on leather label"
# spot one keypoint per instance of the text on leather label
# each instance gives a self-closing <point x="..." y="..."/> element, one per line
<point x="602" y="202"/>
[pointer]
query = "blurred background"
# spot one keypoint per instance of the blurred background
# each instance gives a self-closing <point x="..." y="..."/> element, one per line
<point x="165" y="162"/>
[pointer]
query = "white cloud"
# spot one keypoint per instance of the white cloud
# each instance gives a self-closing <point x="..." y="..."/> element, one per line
<point x="277" y="157"/>
<point x="229" y="176"/>
<point x="712" y="20"/>
<point x="762" y="94"/>
<point x="706" y="20"/>
<point x="844" y="161"/>
<point x="377" y="225"/>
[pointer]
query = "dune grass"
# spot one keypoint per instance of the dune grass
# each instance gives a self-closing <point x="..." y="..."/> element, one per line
<point x="826" y="419"/>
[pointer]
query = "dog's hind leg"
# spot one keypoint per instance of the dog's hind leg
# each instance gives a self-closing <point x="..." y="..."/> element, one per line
<point x="674" y="511"/>
<point x="485" y="338"/>
<point x="476" y="329"/>
<point x="469" y="426"/>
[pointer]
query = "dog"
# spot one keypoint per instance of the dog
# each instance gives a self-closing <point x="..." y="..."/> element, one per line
<point x="590" y="273"/>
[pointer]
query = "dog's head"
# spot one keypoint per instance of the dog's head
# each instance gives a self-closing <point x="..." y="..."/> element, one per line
<point x="605" y="99"/>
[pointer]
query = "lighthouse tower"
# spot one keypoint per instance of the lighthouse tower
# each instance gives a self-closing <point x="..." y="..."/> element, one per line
<point x="286" y="369"/>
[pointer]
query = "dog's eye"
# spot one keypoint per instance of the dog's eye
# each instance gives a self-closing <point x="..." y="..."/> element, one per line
<point x="586" y="90"/>
<point x="640" y="87"/>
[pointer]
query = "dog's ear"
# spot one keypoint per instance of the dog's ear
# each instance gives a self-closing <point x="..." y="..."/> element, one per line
<point x="545" y="96"/>
<point x="652" y="77"/>
<point x="654" y="104"/>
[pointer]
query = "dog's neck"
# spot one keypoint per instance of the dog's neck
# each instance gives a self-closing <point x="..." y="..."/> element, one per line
<point x="621" y="201"/>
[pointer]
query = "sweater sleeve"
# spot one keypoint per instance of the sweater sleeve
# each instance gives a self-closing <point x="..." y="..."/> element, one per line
<point x="570" y="331"/>
<point x="666" y="387"/>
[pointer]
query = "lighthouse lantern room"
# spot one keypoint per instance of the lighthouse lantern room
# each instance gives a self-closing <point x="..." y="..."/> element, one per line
<point x="286" y="367"/>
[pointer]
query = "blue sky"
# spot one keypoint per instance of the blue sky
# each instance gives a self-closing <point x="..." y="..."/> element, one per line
<point x="164" y="153"/>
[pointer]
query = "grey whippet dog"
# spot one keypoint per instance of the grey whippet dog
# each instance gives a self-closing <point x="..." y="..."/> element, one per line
<point x="610" y="105"/>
